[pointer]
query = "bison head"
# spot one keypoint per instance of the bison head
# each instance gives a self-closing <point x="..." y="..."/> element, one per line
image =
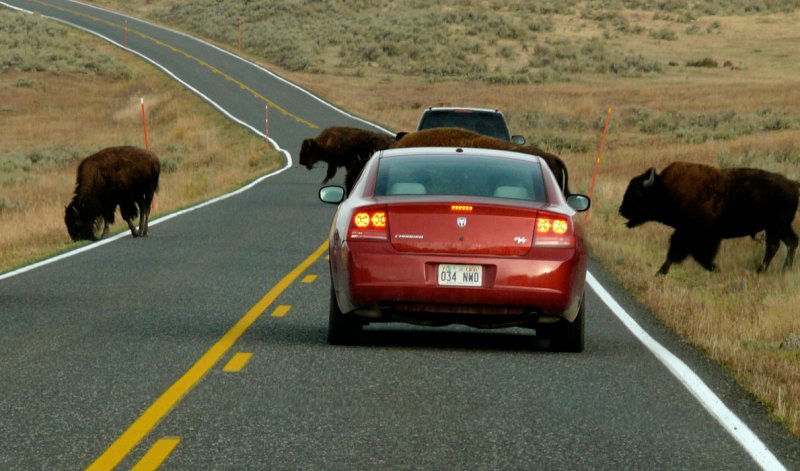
<point x="72" y="218"/>
<point x="637" y="203"/>
<point x="79" y="225"/>
<point x="310" y="153"/>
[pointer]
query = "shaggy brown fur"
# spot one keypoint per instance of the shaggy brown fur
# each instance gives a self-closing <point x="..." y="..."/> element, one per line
<point x="342" y="146"/>
<point x="117" y="176"/>
<point x="456" y="137"/>
<point x="705" y="205"/>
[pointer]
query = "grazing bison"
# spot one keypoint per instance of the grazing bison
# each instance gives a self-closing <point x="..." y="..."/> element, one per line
<point x="457" y="137"/>
<point x="705" y="205"/>
<point x="341" y="146"/>
<point x="117" y="176"/>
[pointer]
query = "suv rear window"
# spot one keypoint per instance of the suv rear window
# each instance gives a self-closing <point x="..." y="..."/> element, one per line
<point x="488" y="123"/>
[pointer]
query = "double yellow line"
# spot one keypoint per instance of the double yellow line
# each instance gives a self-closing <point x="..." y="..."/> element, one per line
<point x="170" y="398"/>
<point x="272" y="105"/>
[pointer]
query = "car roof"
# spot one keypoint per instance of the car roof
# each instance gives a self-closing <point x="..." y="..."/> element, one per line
<point x="431" y="151"/>
<point x="463" y="108"/>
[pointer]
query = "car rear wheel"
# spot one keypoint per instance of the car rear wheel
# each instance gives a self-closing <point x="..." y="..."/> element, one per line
<point x="568" y="336"/>
<point x="342" y="330"/>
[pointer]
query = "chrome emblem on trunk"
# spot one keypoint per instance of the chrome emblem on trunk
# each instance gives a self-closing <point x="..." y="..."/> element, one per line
<point x="461" y="221"/>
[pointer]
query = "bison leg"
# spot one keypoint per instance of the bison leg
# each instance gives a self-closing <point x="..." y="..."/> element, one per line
<point x="99" y="228"/>
<point x="330" y="173"/>
<point x="352" y="174"/>
<point x="129" y="213"/>
<point x="705" y="251"/>
<point x="773" y="243"/>
<point x="144" y="214"/>
<point x="679" y="249"/>
<point x="774" y="237"/>
<point x="133" y="228"/>
<point x="791" y="241"/>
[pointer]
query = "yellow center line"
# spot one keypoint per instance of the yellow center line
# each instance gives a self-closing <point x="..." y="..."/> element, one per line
<point x="157" y="454"/>
<point x="281" y="310"/>
<point x="170" y="398"/>
<point x="237" y="362"/>
<point x="309" y="278"/>
<point x="203" y="63"/>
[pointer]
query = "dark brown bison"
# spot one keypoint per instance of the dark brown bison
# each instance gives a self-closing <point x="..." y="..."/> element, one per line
<point x="342" y="146"/>
<point x="117" y="176"/>
<point x="705" y="205"/>
<point x="456" y="137"/>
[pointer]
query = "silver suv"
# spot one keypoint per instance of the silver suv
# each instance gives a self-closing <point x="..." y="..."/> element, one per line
<point x="489" y="122"/>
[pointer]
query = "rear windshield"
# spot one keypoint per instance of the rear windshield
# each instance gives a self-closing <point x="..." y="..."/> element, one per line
<point x="481" y="122"/>
<point x="460" y="176"/>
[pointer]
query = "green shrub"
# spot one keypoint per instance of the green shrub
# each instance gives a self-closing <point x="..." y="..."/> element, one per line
<point x="30" y="43"/>
<point x="705" y="62"/>
<point x="664" y="35"/>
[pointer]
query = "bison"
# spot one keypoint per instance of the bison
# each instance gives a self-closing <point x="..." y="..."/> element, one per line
<point x="705" y="205"/>
<point x="342" y="146"/>
<point x="117" y="176"/>
<point x="457" y="137"/>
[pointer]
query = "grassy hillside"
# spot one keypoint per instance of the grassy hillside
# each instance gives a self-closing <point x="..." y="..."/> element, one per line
<point x="681" y="79"/>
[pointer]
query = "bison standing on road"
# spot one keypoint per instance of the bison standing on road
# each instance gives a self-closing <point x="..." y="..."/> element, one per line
<point x="705" y="205"/>
<point x="117" y="176"/>
<point x="457" y="137"/>
<point x="342" y="146"/>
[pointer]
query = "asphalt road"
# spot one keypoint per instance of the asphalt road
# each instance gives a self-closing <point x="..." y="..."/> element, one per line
<point x="116" y="355"/>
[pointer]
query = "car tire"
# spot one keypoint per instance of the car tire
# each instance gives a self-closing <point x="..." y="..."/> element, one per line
<point x="569" y="336"/>
<point x="342" y="330"/>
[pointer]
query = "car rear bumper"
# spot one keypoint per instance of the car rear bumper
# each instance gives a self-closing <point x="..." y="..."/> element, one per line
<point x="374" y="280"/>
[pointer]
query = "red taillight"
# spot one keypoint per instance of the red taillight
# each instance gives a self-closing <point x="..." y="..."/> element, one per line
<point x="369" y="223"/>
<point x="553" y="230"/>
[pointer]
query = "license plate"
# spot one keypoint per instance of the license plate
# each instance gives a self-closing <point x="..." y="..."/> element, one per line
<point x="460" y="275"/>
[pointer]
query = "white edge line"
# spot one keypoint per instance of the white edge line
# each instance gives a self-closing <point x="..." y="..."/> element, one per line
<point x="729" y="421"/>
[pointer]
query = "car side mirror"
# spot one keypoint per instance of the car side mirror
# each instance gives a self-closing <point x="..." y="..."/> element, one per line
<point x="331" y="194"/>
<point x="579" y="203"/>
<point x="518" y="140"/>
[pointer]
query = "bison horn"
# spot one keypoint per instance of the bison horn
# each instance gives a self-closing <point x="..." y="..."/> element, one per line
<point x="650" y="179"/>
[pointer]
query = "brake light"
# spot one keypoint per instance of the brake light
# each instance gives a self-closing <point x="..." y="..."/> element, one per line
<point x="553" y="230"/>
<point x="369" y="223"/>
<point x="461" y="208"/>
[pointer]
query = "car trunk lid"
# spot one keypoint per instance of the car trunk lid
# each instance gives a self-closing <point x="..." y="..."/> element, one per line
<point x="464" y="228"/>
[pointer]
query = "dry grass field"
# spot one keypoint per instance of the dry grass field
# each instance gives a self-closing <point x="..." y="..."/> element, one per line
<point x="680" y="78"/>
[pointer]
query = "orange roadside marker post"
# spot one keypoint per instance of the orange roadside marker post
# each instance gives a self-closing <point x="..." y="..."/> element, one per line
<point x="597" y="164"/>
<point x="144" y="124"/>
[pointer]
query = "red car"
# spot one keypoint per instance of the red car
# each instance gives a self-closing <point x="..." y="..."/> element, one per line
<point x="439" y="236"/>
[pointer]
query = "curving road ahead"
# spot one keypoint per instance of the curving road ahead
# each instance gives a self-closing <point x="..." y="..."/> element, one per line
<point x="203" y="346"/>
